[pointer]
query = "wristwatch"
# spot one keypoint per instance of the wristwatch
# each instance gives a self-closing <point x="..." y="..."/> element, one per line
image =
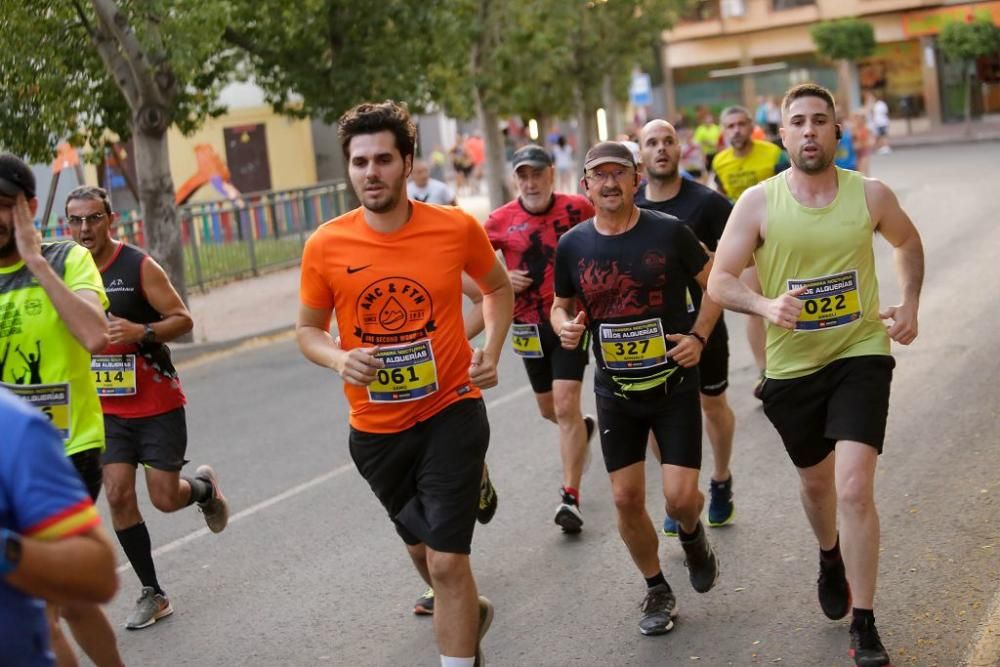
<point x="149" y="335"/>
<point x="10" y="550"/>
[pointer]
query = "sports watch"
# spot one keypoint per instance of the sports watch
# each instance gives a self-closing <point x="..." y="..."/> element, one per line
<point x="148" y="335"/>
<point x="10" y="550"/>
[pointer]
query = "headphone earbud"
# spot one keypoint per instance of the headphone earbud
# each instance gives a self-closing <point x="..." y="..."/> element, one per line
<point x="839" y="132"/>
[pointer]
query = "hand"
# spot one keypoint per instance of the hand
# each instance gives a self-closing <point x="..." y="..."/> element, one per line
<point x="784" y="311"/>
<point x="686" y="350"/>
<point x="29" y="241"/>
<point x="572" y="332"/>
<point x="520" y="280"/>
<point x="903" y="329"/>
<point x="124" y="332"/>
<point x="483" y="370"/>
<point x="359" y="366"/>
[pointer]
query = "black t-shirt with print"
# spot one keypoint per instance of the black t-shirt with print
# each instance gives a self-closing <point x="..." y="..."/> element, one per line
<point x="636" y="276"/>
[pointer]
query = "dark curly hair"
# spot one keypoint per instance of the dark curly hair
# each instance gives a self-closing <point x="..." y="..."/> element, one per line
<point x="374" y="117"/>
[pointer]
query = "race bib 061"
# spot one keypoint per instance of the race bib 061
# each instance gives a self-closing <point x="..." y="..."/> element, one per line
<point x="409" y="373"/>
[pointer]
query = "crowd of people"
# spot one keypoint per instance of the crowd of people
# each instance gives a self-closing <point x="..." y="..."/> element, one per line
<point x="633" y="275"/>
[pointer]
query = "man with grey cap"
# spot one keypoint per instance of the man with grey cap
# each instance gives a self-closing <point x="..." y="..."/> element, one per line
<point x="628" y="268"/>
<point x="526" y="232"/>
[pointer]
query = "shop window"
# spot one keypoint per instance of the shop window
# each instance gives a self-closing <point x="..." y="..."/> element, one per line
<point x="702" y="10"/>
<point x="778" y="5"/>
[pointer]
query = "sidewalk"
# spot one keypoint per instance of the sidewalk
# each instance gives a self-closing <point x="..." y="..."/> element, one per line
<point x="987" y="129"/>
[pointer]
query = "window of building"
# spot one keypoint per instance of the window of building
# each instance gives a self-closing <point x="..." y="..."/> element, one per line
<point x="702" y="10"/>
<point x="778" y="5"/>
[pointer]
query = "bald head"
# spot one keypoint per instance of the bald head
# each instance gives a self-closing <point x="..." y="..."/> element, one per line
<point x="660" y="150"/>
<point x="421" y="173"/>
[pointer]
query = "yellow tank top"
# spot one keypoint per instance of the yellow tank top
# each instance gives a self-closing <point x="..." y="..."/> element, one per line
<point x="829" y="251"/>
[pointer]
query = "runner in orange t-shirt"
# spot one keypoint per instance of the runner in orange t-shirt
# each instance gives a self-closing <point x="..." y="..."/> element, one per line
<point x="391" y="272"/>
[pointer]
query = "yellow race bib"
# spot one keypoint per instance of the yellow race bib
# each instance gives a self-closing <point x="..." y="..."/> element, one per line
<point x="633" y="345"/>
<point x="409" y="373"/>
<point x="526" y="341"/>
<point x="829" y="301"/>
<point x="114" y="374"/>
<point x="51" y="399"/>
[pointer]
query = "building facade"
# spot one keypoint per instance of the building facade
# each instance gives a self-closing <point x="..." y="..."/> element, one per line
<point x="736" y="51"/>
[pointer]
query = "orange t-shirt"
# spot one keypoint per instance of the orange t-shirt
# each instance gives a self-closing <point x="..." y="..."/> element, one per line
<point x="401" y="291"/>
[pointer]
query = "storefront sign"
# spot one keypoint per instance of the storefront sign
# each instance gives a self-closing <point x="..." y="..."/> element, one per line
<point x="930" y="22"/>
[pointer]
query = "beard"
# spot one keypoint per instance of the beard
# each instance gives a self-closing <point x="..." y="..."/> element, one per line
<point x="812" y="165"/>
<point x="666" y="174"/>
<point x="383" y="202"/>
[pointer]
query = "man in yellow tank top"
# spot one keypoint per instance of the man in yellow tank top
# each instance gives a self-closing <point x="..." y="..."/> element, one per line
<point x="810" y="231"/>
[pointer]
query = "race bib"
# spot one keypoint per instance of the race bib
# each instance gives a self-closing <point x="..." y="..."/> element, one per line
<point x="526" y="341"/>
<point x="829" y="301"/>
<point x="114" y="374"/>
<point x="633" y="345"/>
<point x="409" y="373"/>
<point x="51" y="399"/>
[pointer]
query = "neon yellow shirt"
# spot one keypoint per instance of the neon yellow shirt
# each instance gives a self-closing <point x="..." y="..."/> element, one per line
<point x="40" y="360"/>
<point x="828" y="251"/>
<point x="737" y="174"/>
<point x="707" y="137"/>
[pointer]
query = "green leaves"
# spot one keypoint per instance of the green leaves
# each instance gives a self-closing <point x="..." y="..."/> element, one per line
<point x="844" y="39"/>
<point x="968" y="41"/>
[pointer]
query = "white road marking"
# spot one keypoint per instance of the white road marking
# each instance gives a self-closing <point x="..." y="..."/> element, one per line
<point x="294" y="491"/>
<point x="985" y="652"/>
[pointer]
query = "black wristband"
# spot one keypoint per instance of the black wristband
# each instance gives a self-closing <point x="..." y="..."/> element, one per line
<point x="701" y="339"/>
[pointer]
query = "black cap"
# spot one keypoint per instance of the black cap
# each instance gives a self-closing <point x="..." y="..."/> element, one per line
<point x="15" y="176"/>
<point x="609" y="151"/>
<point x="533" y="155"/>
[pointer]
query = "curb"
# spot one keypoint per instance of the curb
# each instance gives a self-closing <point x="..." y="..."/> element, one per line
<point x="925" y="142"/>
<point x="187" y="352"/>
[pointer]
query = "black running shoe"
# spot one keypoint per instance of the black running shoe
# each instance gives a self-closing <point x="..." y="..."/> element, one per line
<point x="866" y="646"/>
<point x="487" y="498"/>
<point x="758" y="387"/>
<point x="424" y="606"/>
<point x="659" y="609"/>
<point x="833" y="590"/>
<point x="568" y="515"/>
<point x="701" y="561"/>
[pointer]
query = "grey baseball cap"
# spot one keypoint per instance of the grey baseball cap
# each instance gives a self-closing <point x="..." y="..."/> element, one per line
<point x="608" y="151"/>
<point x="532" y="155"/>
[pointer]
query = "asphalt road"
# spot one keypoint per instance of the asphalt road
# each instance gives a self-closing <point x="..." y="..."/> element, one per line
<point x="311" y="572"/>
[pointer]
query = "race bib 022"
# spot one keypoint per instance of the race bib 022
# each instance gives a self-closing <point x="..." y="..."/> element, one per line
<point x="829" y="301"/>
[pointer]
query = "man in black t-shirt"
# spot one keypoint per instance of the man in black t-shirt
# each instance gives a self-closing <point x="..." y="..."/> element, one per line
<point x="628" y="270"/>
<point x="705" y="212"/>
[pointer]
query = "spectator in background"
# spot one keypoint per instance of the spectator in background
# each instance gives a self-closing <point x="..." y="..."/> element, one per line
<point x="707" y="136"/>
<point x="862" y="140"/>
<point x="426" y="189"/>
<point x="461" y="164"/>
<point x="880" y="123"/>
<point x="846" y="157"/>
<point x="562" y="152"/>
<point x="438" y="160"/>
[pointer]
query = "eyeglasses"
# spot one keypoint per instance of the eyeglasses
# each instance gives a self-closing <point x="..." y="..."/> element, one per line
<point x="78" y="220"/>
<point x="616" y="174"/>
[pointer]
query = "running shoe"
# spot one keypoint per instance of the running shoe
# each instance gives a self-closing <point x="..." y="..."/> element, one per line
<point x="833" y="590"/>
<point x="669" y="527"/>
<point x="215" y="509"/>
<point x="424" y="606"/>
<point x="758" y="387"/>
<point x="701" y="561"/>
<point x="866" y="645"/>
<point x="721" y="509"/>
<point x="485" y="619"/>
<point x="659" y="609"/>
<point x="149" y="608"/>
<point x="568" y="515"/>
<point x="487" y="498"/>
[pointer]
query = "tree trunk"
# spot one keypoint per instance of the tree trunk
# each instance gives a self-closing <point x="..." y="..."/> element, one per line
<point x="159" y="213"/>
<point x="496" y="176"/>
<point x="968" y="102"/>
<point x="615" y="126"/>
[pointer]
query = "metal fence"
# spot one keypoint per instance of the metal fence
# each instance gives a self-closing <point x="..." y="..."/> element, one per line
<point x="229" y="239"/>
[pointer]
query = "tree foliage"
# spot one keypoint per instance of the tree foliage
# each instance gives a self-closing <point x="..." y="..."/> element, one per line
<point x="968" y="41"/>
<point x="54" y="85"/>
<point x="844" y="39"/>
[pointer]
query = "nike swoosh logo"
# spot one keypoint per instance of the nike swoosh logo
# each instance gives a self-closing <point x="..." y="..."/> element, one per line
<point x="355" y="269"/>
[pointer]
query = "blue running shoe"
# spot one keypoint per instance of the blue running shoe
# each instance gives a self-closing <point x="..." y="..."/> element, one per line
<point x="721" y="509"/>
<point x="669" y="527"/>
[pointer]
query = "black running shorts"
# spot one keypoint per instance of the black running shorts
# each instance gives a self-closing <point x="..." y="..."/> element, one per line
<point x="846" y="400"/>
<point x="558" y="363"/>
<point x="88" y="467"/>
<point x="674" y="419"/>
<point x="427" y="477"/>
<point x="714" y="365"/>
<point x="159" y="441"/>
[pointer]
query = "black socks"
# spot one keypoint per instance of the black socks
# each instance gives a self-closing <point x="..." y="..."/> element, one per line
<point x="135" y="542"/>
